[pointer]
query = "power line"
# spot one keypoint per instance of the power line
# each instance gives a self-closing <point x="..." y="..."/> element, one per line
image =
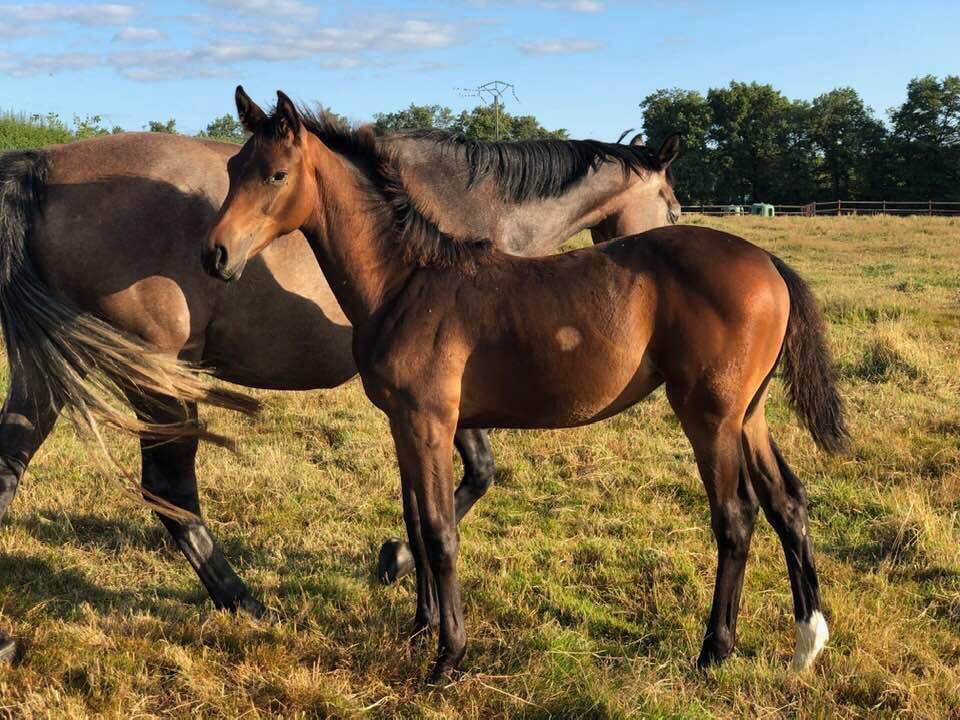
<point x="492" y="92"/>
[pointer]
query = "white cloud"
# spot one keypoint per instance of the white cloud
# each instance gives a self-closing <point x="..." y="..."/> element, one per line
<point x="47" y="64"/>
<point x="332" y="48"/>
<point x="41" y="13"/>
<point x="222" y="41"/>
<point x="138" y="35"/>
<point x="283" y="8"/>
<point x="559" y="47"/>
<point x="414" y="34"/>
<point x="580" y="6"/>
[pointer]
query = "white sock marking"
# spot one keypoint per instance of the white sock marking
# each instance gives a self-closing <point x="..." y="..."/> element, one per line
<point x="812" y="635"/>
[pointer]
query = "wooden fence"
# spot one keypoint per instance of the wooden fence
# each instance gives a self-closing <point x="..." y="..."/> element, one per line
<point x="841" y="207"/>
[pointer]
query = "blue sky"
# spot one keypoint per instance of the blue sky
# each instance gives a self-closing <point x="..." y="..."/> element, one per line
<point x="579" y="64"/>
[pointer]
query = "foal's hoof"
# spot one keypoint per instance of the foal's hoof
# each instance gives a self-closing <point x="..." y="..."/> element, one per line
<point x="8" y="648"/>
<point x="395" y="561"/>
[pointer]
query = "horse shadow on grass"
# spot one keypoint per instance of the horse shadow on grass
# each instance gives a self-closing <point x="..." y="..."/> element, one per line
<point x="28" y="583"/>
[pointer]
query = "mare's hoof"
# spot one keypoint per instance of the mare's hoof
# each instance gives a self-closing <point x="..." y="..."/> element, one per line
<point x="443" y="675"/>
<point x="395" y="561"/>
<point x="249" y="605"/>
<point x="8" y="648"/>
<point x="710" y="657"/>
<point x="422" y="629"/>
<point x="445" y="670"/>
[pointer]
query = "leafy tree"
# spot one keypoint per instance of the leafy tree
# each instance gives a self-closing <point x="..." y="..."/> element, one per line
<point x="479" y="123"/>
<point x="19" y="131"/>
<point x="90" y="126"/>
<point x="796" y="171"/>
<point x="415" y="117"/>
<point x="669" y="111"/>
<point x="844" y="131"/>
<point x="926" y="129"/>
<point x="170" y="126"/>
<point x="338" y="118"/>
<point x="749" y="123"/>
<point x="225" y="128"/>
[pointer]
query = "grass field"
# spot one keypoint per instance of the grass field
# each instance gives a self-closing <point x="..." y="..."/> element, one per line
<point x="587" y="570"/>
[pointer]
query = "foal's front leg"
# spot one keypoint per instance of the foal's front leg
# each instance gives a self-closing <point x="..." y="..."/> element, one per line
<point x="424" y="450"/>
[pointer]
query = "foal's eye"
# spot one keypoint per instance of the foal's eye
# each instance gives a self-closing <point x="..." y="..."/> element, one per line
<point x="278" y="177"/>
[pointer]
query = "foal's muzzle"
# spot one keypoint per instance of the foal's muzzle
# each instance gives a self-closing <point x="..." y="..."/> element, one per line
<point x="216" y="261"/>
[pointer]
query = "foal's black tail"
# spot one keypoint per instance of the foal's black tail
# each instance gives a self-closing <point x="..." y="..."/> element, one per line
<point x="808" y="366"/>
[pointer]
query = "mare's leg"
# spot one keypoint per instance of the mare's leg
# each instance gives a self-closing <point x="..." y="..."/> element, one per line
<point x="26" y="420"/>
<point x="169" y="472"/>
<point x="396" y="559"/>
<point x="716" y="439"/>
<point x="424" y="449"/>
<point x="784" y="502"/>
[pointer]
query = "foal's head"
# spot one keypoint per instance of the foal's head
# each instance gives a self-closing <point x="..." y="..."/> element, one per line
<point x="273" y="187"/>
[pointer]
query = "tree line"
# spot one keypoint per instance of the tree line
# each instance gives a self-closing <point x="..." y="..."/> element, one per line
<point x="748" y="143"/>
<point x="744" y="143"/>
<point x="19" y="130"/>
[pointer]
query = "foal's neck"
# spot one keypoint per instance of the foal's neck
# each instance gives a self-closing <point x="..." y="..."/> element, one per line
<point x="353" y="242"/>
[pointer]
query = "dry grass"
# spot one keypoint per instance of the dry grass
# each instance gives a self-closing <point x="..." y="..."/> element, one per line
<point x="587" y="570"/>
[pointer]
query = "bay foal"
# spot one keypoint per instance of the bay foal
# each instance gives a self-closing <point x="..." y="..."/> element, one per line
<point x="454" y="334"/>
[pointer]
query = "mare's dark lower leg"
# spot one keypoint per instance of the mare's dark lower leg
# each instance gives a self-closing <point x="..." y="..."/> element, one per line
<point x="396" y="558"/>
<point x="26" y="420"/>
<point x="169" y="472"/>
<point x="784" y="502"/>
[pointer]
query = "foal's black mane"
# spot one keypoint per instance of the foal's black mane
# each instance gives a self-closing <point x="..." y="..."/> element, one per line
<point x="529" y="169"/>
<point x="420" y="240"/>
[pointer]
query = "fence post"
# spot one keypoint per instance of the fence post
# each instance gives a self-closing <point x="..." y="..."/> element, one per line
<point x="884" y="207"/>
<point x="839" y="207"/>
<point x="929" y="207"/>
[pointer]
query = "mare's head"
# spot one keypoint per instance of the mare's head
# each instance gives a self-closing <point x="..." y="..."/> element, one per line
<point x="651" y="203"/>
<point x="273" y="187"/>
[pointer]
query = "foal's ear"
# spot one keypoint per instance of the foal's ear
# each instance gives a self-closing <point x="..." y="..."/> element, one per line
<point x="637" y="140"/>
<point x="288" y="117"/>
<point x="670" y="149"/>
<point x="251" y="116"/>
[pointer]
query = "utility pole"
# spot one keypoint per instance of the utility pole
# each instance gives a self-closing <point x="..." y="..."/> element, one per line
<point x="492" y="92"/>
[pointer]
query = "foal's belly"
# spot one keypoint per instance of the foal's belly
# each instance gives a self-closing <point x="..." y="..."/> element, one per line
<point x="578" y="390"/>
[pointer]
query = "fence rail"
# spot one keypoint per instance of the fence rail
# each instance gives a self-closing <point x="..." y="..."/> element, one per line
<point x="841" y="207"/>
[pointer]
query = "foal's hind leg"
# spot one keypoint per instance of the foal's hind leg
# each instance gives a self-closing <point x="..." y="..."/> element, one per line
<point x="396" y="559"/>
<point x="169" y="472"/>
<point x="26" y="420"/>
<point x="785" y="504"/>
<point x="733" y="508"/>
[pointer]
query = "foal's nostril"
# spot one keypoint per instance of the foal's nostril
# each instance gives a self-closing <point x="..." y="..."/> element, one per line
<point x="219" y="258"/>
